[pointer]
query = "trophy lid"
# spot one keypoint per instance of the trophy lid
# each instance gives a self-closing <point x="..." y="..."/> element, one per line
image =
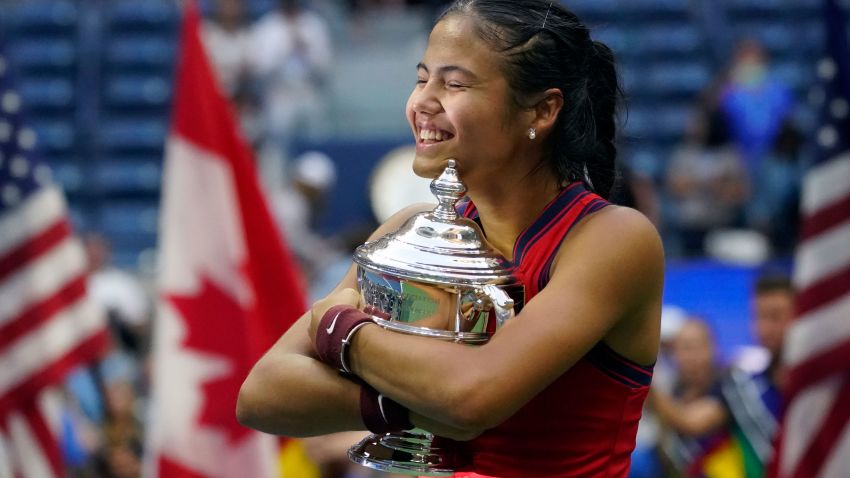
<point x="438" y="246"/>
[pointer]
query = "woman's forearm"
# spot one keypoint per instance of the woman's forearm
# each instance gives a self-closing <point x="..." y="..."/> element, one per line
<point x="426" y="389"/>
<point x="298" y="396"/>
<point x="290" y="393"/>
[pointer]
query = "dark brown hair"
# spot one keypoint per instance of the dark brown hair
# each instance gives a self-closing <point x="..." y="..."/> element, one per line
<point x="547" y="46"/>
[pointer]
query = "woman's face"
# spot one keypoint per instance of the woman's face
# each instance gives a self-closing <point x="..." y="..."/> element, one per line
<point x="459" y="108"/>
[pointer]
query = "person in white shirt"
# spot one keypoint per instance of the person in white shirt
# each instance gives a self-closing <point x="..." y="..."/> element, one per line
<point x="291" y="57"/>
<point x="226" y="38"/>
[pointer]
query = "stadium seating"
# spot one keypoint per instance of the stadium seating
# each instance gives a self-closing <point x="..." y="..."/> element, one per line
<point x="96" y="78"/>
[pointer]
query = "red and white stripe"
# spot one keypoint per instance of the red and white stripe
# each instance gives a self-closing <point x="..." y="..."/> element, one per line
<point x="816" y="441"/>
<point x="47" y="327"/>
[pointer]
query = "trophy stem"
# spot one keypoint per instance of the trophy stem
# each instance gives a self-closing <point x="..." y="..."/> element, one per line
<point x="409" y="453"/>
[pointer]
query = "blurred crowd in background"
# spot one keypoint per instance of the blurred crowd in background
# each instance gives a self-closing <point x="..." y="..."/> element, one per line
<point x="716" y="128"/>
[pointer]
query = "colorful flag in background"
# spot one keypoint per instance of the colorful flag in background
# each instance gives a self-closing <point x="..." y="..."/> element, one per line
<point x="228" y="288"/>
<point x="815" y="437"/>
<point x="47" y="326"/>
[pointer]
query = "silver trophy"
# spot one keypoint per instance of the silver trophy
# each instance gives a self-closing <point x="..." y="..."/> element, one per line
<point x="435" y="277"/>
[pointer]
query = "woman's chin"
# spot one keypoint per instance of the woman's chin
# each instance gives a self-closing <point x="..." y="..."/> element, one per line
<point x="428" y="168"/>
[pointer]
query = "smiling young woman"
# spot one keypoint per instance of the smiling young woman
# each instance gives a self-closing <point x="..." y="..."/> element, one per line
<point x="517" y="93"/>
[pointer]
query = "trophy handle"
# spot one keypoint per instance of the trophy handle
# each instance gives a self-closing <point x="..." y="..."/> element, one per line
<point x="502" y="303"/>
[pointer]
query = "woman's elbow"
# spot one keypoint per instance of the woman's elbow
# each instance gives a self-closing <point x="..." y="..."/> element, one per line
<point x="471" y="420"/>
<point x="248" y="412"/>
<point x="474" y="408"/>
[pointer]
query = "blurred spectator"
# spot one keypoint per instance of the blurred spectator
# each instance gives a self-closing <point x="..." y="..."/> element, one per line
<point x="297" y="207"/>
<point x="291" y="58"/>
<point x="99" y="416"/>
<point x="80" y="438"/>
<point x="774" y="208"/>
<point x="694" y="415"/>
<point x="122" y="425"/>
<point x="120" y="294"/>
<point x="225" y="35"/>
<point x="122" y="433"/>
<point x="706" y="181"/>
<point x="126" y="304"/>
<point x="120" y="460"/>
<point x="725" y="424"/>
<point x="754" y="399"/>
<point x="754" y="102"/>
<point x="645" y="463"/>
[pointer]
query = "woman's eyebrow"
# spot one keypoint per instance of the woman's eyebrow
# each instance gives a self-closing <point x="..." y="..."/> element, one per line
<point x="448" y="69"/>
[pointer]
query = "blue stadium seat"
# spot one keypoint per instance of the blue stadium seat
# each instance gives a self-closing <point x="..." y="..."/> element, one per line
<point x="79" y="218"/>
<point x="129" y="219"/>
<point x="138" y="91"/>
<point x="68" y="174"/>
<point x="616" y="38"/>
<point x="47" y="94"/>
<point x="754" y="5"/>
<point x="131" y="227"/>
<point x="659" y="124"/>
<point x="655" y="9"/>
<point x="648" y="160"/>
<point x="43" y="54"/>
<point x="128" y="175"/>
<point x="139" y="135"/>
<point x="149" y="15"/>
<point x="146" y="52"/>
<point x="594" y="10"/>
<point x="676" y="79"/>
<point x="56" y="137"/>
<point x="41" y="16"/>
<point x="782" y="38"/>
<point x="795" y="75"/>
<point x="760" y="9"/>
<point x="256" y="8"/>
<point x="667" y="39"/>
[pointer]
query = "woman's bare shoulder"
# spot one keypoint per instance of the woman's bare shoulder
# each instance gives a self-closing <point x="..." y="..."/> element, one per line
<point x="618" y="228"/>
<point x="617" y="246"/>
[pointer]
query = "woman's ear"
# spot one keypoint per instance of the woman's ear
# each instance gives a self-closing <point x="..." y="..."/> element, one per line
<point x="546" y="110"/>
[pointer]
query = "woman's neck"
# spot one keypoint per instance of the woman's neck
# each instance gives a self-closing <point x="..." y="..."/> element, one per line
<point x="508" y="207"/>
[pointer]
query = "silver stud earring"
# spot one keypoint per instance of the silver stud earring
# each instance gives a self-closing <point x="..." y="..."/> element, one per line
<point x="532" y="133"/>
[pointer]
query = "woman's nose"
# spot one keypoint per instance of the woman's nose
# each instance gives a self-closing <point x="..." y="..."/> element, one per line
<point x="425" y="101"/>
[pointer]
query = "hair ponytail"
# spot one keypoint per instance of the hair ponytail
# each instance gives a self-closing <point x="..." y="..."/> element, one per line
<point x="605" y="93"/>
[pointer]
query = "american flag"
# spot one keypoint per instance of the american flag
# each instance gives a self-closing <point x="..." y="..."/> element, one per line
<point x="815" y="440"/>
<point x="47" y="326"/>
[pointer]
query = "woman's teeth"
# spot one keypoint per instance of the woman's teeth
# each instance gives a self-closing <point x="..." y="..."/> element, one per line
<point x="433" y="135"/>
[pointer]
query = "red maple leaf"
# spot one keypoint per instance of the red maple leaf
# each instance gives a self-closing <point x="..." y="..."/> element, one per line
<point x="217" y="325"/>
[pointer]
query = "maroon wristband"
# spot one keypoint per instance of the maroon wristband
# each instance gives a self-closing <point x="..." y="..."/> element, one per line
<point x="336" y="329"/>
<point x="382" y="414"/>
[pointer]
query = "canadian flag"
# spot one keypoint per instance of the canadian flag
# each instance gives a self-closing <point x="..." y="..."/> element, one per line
<point x="228" y="288"/>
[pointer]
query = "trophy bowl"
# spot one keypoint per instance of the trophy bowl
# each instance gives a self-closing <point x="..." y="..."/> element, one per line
<point x="435" y="277"/>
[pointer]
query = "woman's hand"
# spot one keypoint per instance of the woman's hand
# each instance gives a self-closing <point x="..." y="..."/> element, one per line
<point x="342" y="297"/>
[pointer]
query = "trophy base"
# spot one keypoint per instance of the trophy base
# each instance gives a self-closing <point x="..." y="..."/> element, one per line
<point x="409" y="453"/>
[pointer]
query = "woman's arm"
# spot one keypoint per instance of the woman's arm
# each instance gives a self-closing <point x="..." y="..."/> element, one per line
<point x="606" y="283"/>
<point x="289" y="392"/>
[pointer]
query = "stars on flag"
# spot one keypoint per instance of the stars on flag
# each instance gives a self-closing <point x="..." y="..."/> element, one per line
<point x="21" y="172"/>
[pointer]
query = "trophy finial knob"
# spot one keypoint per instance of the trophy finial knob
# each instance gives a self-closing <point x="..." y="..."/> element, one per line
<point x="448" y="189"/>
